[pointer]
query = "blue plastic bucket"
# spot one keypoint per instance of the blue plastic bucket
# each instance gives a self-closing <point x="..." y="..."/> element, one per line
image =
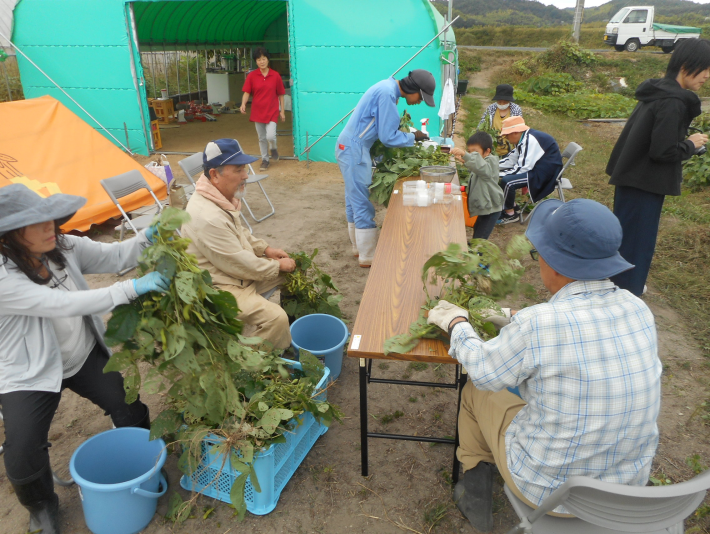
<point x="119" y="479"/>
<point x="322" y="335"/>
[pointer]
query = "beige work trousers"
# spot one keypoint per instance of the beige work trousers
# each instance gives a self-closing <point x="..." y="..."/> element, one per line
<point x="270" y="319"/>
<point x="483" y="421"/>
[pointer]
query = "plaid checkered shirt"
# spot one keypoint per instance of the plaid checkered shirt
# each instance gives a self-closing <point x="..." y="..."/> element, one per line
<point x="586" y="363"/>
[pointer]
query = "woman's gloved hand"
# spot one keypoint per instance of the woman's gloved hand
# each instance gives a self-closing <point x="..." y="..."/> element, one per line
<point x="152" y="232"/>
<point x="151" y="282"/>
<point x="443" y="313"/>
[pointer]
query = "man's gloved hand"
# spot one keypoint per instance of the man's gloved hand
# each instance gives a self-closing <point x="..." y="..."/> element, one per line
<point x="420" y="136"/>
<point x="443" y="313"/>
<point x="151" y="282"/>
<point x="498" y="318"/>
<point x="152" y="232"/>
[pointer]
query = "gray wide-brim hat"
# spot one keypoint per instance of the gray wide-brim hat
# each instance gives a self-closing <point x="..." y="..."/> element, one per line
<point x="20" y="207"/>
<point x="579" y="239"/>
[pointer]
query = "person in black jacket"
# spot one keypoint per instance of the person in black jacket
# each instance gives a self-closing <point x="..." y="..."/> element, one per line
<point x="646" y="163"/>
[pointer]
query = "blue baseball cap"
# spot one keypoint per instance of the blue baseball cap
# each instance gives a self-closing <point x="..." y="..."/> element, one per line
<point x="225" y="152"/>
<point x="579" y="239"/>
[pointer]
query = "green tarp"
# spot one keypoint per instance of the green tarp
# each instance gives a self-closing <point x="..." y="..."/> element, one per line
<point x="676" y="29"/>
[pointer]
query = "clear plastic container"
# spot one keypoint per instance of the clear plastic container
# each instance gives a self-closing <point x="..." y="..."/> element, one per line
<point x="417" y="194"/>
<point x="442" y="193"/>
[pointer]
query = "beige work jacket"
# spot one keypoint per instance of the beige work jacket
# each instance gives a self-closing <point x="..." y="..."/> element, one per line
<point x="224" y="247"/>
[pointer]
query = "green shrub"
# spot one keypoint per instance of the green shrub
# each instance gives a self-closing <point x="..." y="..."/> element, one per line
<point x="469" y="63"/>
<point x="696" y="170"/>
<point x="566" y="56"/>
<point x="581" y="105"/>
<point x="551" y="84"/>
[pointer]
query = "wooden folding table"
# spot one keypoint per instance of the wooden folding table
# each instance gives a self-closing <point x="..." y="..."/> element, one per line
<point x="393" y="298"/>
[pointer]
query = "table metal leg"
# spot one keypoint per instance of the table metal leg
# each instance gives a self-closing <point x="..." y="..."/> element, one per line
<point x="462" y="382"/>
<point x="363" y="416"/>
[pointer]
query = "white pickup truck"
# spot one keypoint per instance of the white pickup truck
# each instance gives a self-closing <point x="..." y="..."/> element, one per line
<point x="633" y="27"/>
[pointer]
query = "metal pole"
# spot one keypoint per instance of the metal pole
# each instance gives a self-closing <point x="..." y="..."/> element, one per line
<point x="308" y="148"/>
<point x="197" y="56"/>
<point x="165" y="66"/>
<point x="7" y="82"/>
<point x="189" y="93"/>
<point x="177" y="72"/>
<point x="152" y="70"/>
<point x="578" y="16"/>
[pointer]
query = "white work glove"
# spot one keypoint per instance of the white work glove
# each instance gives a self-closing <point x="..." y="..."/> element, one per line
<point x="443" y="313"/>
<point x="498" y="318"/>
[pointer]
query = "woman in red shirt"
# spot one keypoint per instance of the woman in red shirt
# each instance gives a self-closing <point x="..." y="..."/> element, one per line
<point x="267" y="90"/>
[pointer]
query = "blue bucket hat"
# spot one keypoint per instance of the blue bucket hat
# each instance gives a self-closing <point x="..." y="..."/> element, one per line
<point x="225" y="152"/>
<point x="579" y="239"/>
<point x="20" y="207"/>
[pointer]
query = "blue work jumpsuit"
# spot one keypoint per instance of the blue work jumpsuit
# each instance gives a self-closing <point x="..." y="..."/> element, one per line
<point x="375" y="117"/>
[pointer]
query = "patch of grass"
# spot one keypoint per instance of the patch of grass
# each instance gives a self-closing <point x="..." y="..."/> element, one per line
<point x="384" y="366"/>
<point x="413" y="399"/>
<point x="435" y="513"/>
<point x="388" y="418"/>
<point x="695" y="464"/>
<point x="474" y="110"/>
<point x="419" y="366"/>
<point x="469" y="62"/>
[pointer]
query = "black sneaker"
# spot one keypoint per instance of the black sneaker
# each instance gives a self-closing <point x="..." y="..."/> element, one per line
<point x="274" y="154"/>
<point x="264" y="164"/>
<point x="505" y="218"/>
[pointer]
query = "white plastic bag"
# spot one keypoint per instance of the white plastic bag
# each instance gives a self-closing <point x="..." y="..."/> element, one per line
<point x="158" y="170"/>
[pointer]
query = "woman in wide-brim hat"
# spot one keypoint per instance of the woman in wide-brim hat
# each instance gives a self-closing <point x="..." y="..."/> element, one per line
<point x="503" y="106"/>
<point x="51" y="334"/>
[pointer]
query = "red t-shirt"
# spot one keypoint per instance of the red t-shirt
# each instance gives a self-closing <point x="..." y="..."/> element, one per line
<point x="265" y="92"/>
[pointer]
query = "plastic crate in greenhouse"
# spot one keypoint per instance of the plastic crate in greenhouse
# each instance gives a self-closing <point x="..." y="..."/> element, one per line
<point x="274" y="466"/>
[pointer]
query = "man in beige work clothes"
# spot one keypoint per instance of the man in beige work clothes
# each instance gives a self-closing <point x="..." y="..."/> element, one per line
<point x="239" y="263"/>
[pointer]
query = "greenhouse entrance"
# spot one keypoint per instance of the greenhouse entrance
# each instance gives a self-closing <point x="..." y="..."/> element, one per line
<point x="194" y="56"/>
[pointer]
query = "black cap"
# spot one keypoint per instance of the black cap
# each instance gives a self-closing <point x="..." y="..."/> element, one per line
<point x="426" y="83"/>
<point x="504" y="92"/>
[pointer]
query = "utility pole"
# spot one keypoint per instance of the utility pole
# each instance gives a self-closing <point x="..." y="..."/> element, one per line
<point x="578" y="16"/>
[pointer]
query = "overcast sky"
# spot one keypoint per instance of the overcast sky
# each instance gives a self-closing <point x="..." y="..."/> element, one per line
<point x="593" y="3"/>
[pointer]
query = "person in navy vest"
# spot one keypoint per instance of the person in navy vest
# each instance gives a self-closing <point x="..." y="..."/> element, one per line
<point x="534" y="163"/>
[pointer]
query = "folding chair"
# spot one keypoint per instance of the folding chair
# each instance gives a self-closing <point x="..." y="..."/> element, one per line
<point x="256" y="179"/>
<point x="122" y="185"/>
<point x="58" y="481"/>
<point x="606" y="508"/>
<point x="561" y="183"/>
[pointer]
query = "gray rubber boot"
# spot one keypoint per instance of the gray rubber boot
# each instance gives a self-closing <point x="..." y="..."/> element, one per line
<point x="474" y="496"/>
<point x="43" y="504"/>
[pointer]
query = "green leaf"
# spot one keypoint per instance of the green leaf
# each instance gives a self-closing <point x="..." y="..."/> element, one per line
<point x="153" y="382"/>
<point x="270" y="420"/>
<point x="186" y="362"/>
<point x="119" y="361"/>
<point x="166" y="423"/>
<point x="185" y="284"/>
<point x="215" y="405"/>
<point x="178" y="510"/>
<point x="167" y="266"/>
<point x="312" y="367"/>
<point x="236" y="496"/>
<point x="122" y="325"/>
<point x="132" y="383"/>
<point x="172" y="219"/>
<point x="176" y="338"/>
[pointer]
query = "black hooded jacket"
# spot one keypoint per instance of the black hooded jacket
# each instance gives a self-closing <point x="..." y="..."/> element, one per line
<point x="650" y="150"/>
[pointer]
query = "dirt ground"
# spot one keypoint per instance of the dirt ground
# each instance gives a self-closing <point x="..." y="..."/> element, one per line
<point x="409" y="488"/>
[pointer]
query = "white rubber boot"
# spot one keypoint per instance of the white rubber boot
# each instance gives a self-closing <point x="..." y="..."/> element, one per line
<point x="353" y="241"/>
<point x="367" y="243"/>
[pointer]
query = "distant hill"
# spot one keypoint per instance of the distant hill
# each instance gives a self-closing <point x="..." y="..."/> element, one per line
<point x="533" y="13"/>
<point x="504" y="13"/>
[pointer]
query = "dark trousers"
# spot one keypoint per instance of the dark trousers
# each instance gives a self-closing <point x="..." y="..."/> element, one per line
<point x="28" y="415"/>
<point x="510" y="184"/>
<point x="484" y="225"/>
<point x="639" y="213"/>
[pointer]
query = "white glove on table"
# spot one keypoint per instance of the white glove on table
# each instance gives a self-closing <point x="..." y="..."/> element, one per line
<point x="498" y="318"/>
<point x="443" y="313"/>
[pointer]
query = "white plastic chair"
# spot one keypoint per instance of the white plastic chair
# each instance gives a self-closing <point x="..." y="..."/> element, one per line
<point x="561" y="183"/>
<point x="606" y="508"/>
<point x="122" y="185"/>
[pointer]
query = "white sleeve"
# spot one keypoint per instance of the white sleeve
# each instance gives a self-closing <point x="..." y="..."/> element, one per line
<point x="529" y="153"/>
<point x="95" y="257"/>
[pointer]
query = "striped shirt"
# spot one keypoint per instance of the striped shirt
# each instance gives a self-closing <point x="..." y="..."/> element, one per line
<point x="586" y="363"/>
<point x="487" y="117"/>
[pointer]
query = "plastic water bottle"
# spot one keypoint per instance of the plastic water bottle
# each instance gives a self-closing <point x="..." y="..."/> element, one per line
<point x="168" y="171"/>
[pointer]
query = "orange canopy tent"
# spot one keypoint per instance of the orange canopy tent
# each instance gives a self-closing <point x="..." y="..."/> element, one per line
<point x="51" y="150"/>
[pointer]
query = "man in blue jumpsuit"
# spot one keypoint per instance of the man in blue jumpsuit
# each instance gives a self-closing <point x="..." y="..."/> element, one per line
<point x="375" y="117"/>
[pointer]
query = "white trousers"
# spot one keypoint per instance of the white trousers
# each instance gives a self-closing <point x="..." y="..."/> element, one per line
<point x="267" y="138"/>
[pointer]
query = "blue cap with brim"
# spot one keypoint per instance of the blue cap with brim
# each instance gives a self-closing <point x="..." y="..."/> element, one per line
<point x="579" y="239"/>
<point x="225" y="152"/>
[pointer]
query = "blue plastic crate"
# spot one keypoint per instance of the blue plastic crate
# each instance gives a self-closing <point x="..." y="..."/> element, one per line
<point x="274" y="466"/>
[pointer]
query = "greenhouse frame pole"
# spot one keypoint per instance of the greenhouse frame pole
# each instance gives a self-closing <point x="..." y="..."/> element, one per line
<point x="308" y="148"/>
<point x="197" y="55"/>
<point x="7" y="81"/>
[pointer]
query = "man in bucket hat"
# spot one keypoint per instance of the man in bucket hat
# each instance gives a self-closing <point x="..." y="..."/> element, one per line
<point x="239" y="263"/>
<point x="585" y="364"/>
<point x="534" y="163"/>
